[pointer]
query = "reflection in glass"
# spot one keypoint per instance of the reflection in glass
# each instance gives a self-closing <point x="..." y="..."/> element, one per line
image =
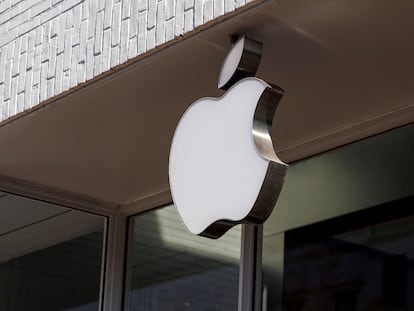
<point x="272" y="267"/>
<point x="50" y="256"/>
<point x="364" y="269"/>
<point x="171" y="269"/>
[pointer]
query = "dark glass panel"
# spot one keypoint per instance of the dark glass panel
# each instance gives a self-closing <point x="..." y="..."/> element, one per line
<point x="50" y="257"/>
<point x="369" y="268"/>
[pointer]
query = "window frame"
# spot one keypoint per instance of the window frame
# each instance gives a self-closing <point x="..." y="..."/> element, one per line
<point x="51" y="196"/>
<point x="249" y="293"/>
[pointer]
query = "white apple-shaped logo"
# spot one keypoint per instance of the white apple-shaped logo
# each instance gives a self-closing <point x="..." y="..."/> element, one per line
<point x="222" y="167"/>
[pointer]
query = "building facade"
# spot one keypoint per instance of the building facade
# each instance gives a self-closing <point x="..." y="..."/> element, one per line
<point x="90" y="95"/>
<point x="49" y="47"/>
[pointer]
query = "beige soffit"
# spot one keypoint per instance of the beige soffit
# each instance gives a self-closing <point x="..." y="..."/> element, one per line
<point x="346" y="69"/>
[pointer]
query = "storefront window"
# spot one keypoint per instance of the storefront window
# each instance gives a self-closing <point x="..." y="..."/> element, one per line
<point x="369" y="268"/>
<point x="171" y="269"/>
<point x="50" y="256"/>
<point x="272" y="268"/>
<point x="357" y="262"/>
<point x="341" y="234"/>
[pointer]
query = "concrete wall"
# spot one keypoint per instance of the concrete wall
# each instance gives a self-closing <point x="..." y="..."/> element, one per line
<point x="49" y="46"/>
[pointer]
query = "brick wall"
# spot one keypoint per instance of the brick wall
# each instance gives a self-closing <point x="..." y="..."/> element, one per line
<point x="49" y="46"/>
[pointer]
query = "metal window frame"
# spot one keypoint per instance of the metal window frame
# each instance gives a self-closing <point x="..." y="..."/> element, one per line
<point x="250" y="276"/>
<point x="76" y="202"/>
<point x="116" y="241"/>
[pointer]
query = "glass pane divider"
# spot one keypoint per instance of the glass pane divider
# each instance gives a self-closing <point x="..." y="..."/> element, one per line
<point x="250" y="277"/>
<point x="115" y="263"/>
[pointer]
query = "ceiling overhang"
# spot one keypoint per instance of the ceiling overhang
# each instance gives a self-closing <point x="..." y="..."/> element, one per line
<point x="346" y="69"/>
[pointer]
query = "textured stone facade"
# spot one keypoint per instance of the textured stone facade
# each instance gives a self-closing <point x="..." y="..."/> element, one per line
<point x="50" y="46"/>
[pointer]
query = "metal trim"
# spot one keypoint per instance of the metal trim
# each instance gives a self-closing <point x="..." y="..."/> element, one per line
<point x="115" y="263"/>
<point x="56" y="196"/>
<point x="250" y="278"/>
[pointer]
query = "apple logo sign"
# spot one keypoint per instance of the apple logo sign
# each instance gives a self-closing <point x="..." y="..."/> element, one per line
<point x="223" y="169"/>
